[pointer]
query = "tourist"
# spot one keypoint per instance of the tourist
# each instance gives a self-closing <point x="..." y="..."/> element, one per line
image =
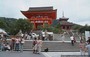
<point x="25" y="36"/>
<point x="28" y="37"/>
<point x="3" y="42"/>
<point x="43" y="37"/>
<point x="12" y="43"/>
<point x="72" y="40"/>
<point x="35" y="45"/>
<point x="39" y="44"/>
<point x="22" y="41"/>
<point x="17" y="43"/>
<point x="82" y="47"/>
<point x="75" y="40"/>
<point x="88" y="48"/>
<point x="63" y="37"/>
<point x="7" y="47"/>
<point x="46" y="35"/>
<point x="3" y="46"/>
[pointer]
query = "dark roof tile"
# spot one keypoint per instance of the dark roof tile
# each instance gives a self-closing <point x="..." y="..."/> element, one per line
<point x="65" y="23"/>
<point x="40" y="8"/>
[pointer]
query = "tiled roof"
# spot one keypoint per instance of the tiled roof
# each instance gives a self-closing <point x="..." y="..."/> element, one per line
<point x="65" y="23"/>
<point x="40" y="8"/>
<point x="63" y="18"/>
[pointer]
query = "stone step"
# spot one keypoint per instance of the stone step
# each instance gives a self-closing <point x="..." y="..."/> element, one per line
<point x="53" y="46"/>
<point x="58" y="37"/>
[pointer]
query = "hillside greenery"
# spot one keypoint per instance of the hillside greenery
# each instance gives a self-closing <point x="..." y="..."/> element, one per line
<point x="13" y="25"/>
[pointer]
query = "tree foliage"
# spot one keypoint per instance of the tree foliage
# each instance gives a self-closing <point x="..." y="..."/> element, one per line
<point x="50" y="28"/>
<point x="12" y="25"/>
<point x="84" y="28"/>
<point x="24" y="25"/>
<point x="2" y="24"/>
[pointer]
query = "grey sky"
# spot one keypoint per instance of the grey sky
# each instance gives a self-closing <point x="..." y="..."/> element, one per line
<point x="78" y="11"/>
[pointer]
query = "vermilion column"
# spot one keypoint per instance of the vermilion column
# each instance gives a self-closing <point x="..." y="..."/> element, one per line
<point x="34" y="25"/>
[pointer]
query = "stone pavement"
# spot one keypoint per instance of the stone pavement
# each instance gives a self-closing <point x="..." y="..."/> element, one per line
<point x="64" y="54"/>
<point x="43" y="54"/>
<point x="19" y="54"/>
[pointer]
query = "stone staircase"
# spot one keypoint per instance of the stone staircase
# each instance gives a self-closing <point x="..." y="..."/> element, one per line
<point x="61" y="47"/>
<point x="58" y="37"/>
<point x="54" y="46"/>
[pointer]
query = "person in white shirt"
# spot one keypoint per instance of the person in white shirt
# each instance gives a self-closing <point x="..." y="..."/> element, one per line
<point x="72" y="40"/>
<point x="63" y="38"/>
<point x="17" y="43"/>
<point x="22" y="41"/>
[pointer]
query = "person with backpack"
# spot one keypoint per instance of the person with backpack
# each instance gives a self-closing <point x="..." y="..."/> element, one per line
<point x="35" y="45"/>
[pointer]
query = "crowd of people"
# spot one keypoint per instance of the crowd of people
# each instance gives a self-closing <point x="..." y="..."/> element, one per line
<point x="15" y="44"/>
<point x="84" y="46"/>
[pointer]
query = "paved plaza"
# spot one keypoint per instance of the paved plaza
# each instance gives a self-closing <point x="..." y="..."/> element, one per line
<point x="19" y="54"/>
<point x="56" y="49"/>
<point x="64" y="54"/>
<point x="43" y="54"/>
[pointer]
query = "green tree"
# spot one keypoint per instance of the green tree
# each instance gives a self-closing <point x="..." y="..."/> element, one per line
<point x="84" y="28"/>
<point x="58" y="28"/>
<point x="24" y="25"/>
<point x="13" y="25"/>
<point x="76" y="27"/>
<point x="2" y="24"/>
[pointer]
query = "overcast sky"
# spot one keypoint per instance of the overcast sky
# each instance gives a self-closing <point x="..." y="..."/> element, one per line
<point x="78" y="11"/>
